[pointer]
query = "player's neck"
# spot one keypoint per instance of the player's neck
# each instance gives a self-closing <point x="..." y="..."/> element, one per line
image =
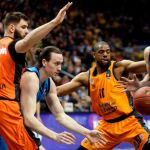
<point x="100" y="70"/>
<point x="43" y="75"/>
<point x="9" y="34"/>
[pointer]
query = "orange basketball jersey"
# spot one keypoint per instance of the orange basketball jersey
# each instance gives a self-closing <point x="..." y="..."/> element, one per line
<point x="107" y="100"/>
<point x="10" y="70"/>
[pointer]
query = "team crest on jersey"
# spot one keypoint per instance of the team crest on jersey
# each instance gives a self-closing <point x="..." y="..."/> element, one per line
<point x="108" y="74"/>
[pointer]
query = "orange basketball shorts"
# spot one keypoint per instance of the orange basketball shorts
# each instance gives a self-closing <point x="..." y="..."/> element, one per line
<point x="12" y="128"/>
<point x="128" y="130"/>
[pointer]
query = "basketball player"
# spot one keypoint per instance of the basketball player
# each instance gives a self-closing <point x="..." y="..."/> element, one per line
<point x="16" y="42"/>
<point x="147" y="59"/>
<point x="134" y="84"/>
<point x="36" y="84"/>
<point x="120" y="123"/>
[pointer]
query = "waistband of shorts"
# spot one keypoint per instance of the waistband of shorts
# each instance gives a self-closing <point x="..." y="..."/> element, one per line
<point x="120" y="118"/>
<point x="8" y="99"/>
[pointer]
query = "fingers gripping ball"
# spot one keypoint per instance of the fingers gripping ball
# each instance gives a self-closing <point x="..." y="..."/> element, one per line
<point x="141" y="100"/>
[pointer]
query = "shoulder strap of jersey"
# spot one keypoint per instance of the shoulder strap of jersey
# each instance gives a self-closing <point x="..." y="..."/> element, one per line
<point x="47" y="85"/>
<point x="33" y="69"/>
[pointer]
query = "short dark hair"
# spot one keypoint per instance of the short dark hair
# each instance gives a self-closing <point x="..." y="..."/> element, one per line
<point x="46" y="54"/>
<point x="14" y="17"/>
<point x="98" y="44"/>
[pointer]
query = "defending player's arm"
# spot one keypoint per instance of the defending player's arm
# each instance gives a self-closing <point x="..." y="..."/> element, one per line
<point x="56" y="108"/>
<point x="78" y="81"/>
<point x="133" y="67"/>
<point x="147" y="59"/>
<point x="145" y="81"/>
<point x="39" y="33"/>
<point x="29" y="88"/>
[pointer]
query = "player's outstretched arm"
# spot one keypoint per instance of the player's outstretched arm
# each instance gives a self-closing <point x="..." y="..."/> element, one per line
<point x="132" y="67"/>
<point x="29" y="88"/>
<point x="78" y="81"/>
<point x="39" y="33"/>
<point x="56" y="108"/>
<point x="147" y="59"/>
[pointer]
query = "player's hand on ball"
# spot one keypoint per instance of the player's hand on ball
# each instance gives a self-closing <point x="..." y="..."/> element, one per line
<point x="66" y="138"/>
<point x="95" y="136"/>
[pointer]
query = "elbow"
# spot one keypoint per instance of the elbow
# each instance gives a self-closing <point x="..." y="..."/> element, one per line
<point x="28" y="121"/>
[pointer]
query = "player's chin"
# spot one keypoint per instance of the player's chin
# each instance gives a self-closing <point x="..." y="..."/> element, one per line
<point x="105" y="63"/>
<point x="55" y="74"/>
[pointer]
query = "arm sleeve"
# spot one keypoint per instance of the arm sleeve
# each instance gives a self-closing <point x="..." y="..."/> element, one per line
<point x="17" y="57"/>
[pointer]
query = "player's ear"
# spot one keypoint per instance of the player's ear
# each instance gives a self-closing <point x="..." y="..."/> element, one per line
<point x="11" y="28"/>
<point x="44" y="62"/>
<point x="93" y="54"/>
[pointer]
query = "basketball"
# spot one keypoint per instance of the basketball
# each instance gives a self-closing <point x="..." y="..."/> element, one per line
<point x="141" y="100"/>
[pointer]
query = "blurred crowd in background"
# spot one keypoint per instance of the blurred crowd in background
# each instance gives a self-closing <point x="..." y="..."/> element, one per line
<point x="125" y="25"/>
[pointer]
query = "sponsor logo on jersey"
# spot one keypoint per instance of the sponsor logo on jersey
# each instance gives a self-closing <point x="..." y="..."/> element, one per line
<point x="2" y="86"/>
<point x="3" y="51"/>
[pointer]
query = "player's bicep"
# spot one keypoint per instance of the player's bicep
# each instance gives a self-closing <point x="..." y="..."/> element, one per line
<point x="137" y="67"/>
<point x="131" y="66"/>
<point x="29" y="88"/>
<point x="147" y="58"/>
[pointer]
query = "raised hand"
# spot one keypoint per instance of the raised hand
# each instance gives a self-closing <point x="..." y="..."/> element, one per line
<point x="129" y="85"/>
<point x="66" y="138"/>
<point x="96" y="137"/>
<point x="62" y="13"/>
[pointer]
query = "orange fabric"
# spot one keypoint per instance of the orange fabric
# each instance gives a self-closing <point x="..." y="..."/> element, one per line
<point x="7" y="65"/>
<point x="12" y="128"/>
<point x="128" y="130"/>
<point x="107" y="100"/>
<point x="11" y="122"/>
